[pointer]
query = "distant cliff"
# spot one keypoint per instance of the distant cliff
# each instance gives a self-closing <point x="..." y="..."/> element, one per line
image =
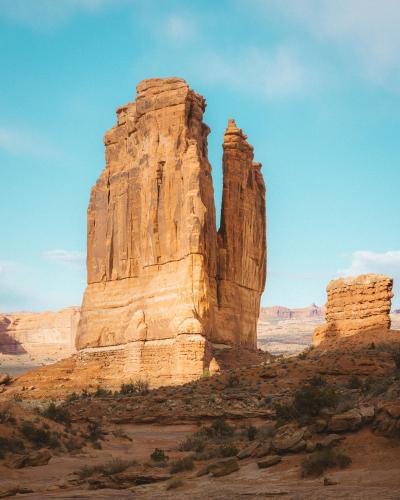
<point x="281" y="312"/>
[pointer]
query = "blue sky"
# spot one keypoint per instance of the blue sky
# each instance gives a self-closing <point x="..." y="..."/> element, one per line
<point x="314" y="83"/>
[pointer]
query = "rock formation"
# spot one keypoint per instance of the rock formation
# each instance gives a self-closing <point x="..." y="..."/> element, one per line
<point x="163" y="285"/>
<point x="50" y="334"/>
<point x="356" y="305"/>
<point x="281" y="312"/>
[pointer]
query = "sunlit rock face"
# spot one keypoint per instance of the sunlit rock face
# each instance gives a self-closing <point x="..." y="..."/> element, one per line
<point x="163" y="285"/>
<point x="356" y="305"/>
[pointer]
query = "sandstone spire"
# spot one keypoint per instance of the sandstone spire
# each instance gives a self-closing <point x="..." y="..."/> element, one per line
<point x="161" y="288"/>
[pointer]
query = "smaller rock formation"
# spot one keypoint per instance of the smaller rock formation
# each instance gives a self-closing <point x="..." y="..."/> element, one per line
<point x="356" y="305"/>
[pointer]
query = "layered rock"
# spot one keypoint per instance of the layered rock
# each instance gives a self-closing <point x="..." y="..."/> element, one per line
<point x="281" y="312"/>
<point x="162" y="284"/>
<point x="50" y="334"/>
<point x="356" y="305"/>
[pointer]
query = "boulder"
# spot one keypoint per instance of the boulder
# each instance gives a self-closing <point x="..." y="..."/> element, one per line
<point x="220" y="468"/>
<point x="269" y="461"/>
<point x="248" y="451"/>
<point x="348" y="421"/>
<point x="287" y="438"/>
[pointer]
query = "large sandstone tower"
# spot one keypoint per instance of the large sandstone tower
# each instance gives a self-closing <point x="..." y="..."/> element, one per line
<point x="163" y="285"/>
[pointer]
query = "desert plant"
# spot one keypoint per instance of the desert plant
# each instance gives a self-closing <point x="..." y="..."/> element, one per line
<point x="57" y="413"/>
<point x="40" y="437"/>
<point x="233" y="380"/>
<point x="316" y="463"/>
<point x="227" y="450"/>
<point x="115" y="466"/>
<point x="11" y="444"/>
<point x="158" y="455"/>
<point x="101" y="392"/>
<point x="181" y="465"/>
<point x="251" y="432"/>
<point x="137" y="388"/>
<point x="396" y="357"/>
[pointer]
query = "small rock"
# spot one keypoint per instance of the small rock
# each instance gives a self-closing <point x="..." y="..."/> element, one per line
<point x="349" y="421"/>
<point x="329" y="441"/>
<point x="4" y="378"/>
<point x="220" y="468"/>
<point x="248" y="451"/>
<point x="269" y="461"/>
<point x="263" y="450"/>
<point x="367" y="413"/>
<point x="329" y="482"/>
<point x="310" y="446"/>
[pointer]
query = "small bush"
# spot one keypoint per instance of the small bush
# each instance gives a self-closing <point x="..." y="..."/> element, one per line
<point x="219" y="429"/>
<point x="195" y="443"/>
<point x="39" y="437"/>
<point x="233" y="380"/>
<point x="12" y="445"/>
<point x="57" y="413"/>
<point x="101" y="392"/>
<point x="181" y="465"/>
<point x="227" y="450"/>
<point x="318" y="381"/>
<point x="251" y="432"/>
<point x="396" y="357"/>
<point x="94" y="431"/>
<point x="355" y="383"/>
<point x="158" y="455"/>
<point x="318" y="462"/>
<point x="138" y="388"/>
<point x="115" y="466"/>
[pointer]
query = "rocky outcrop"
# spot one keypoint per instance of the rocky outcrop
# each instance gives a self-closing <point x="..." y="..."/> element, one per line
<point x="163" y="285"/>
<point x="50" y="334"/>
<point x="356" y="305"/>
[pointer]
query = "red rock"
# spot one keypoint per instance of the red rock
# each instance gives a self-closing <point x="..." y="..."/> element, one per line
<point x="163" y="285"/>
<point x="356" y="305"/>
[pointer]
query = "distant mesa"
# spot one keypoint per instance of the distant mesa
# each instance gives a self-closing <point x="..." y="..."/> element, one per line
<point x="164" y="285"/>
<point x="356" y="306"/>
<point x="280" y="312"/>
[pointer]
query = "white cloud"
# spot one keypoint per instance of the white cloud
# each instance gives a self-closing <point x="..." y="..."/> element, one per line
<point x="366" y="262"/>
<point x="23" y="142"/>
<point x="179" y="28"/>
<point x="46" y="14"/>
<point x="69" y="257"/>
<point x="366" y="29"/>
<point x="276" y="72"/>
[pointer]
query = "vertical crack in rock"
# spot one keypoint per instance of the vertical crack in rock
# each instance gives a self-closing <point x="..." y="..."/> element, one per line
<point x="162" y="282"/>
<point x="356" y="305"/>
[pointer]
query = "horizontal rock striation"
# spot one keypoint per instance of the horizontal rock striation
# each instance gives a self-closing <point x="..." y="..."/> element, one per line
<point x="50" y="334"/>
<point x="356" y="305"/>
<point x="162" y="283"/>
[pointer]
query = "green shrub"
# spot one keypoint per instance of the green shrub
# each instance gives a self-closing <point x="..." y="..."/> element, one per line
<point x="227" y="450"/>
<point x="316" y="463"/>
<point x="39" y="437"/>
<point x="195" y="443"/>
<point x="181" y="465"/>
<point x="57" y="413"/>
<point x="94" y="431"/>
<point x="318" y="381"/>
<point x="101" y="392"/>
<point x="251" y="432"/>
<point x="158" y="455"/>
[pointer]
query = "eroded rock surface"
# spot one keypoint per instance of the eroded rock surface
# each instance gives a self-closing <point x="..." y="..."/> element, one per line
<point x="48" y="333"/>
<point x="163" y="285"/>
<point x="356" y="305"/>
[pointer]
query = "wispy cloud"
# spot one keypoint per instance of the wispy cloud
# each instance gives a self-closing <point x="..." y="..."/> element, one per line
<point x="179" y="28"/>
<point x="366" y="262"/>
<point x="271" y="72"/>
<point x="367" y="30"/>
<point x="69" y="257"/>
<point x="23" y="142"/>
<point x="45" y="14"/>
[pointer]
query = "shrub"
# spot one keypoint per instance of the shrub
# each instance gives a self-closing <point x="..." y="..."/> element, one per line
<point x="95" y="431"/>
<point x="39" y="437"/>
<point x="10" y="445"/>
<point x="251" y="432"/>
<point x="308" y="401"/>
<point x="158" y="455"/>
<point x="318" y="381"/>
<point x="138" y="388"/>
<point x="355" y="383"/>
<point x="233" y="380"/>
<point x="101" y="392"/>
<point x="219" y="429"/>
<point x="396" y="357"/>
<point x="195" y="443"/>
<point x="227" y="450"/>
<point x="318" y="462"/>
<point x="57" y="413"/>
<point x="115" y="466"/>
<point x="181" y="465"/>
